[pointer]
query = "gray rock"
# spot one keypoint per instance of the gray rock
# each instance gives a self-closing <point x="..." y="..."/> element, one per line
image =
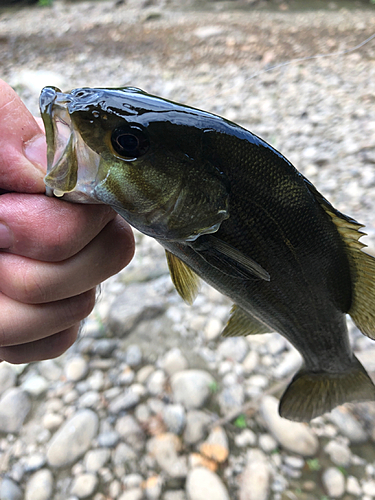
<point x="156" y="382"/>
<point x="267" y="443"/>
<point x="201" y="484"/>
<point x="131" y="432"/>
<point x="104" y="347"/>
<point x="191" y="387"/>
<point x="50" y="370"/>
<point x="35" y="385"/>
<point x="144" y="373"/>
<point x="52" y="421"/>
<point x="339" y="453"/>
<point x="233" y="348"/>
<point x="333" y="482"/>
<point x="196" y="426"/>
<point x="250" y="362"/>
<point x="9" y="490"/>
<point x="89" y="399"/>
<point x="123" y="454"/>
<point x="164" y="448"/>
<point x="255" y="479"/>
<point x="84" y="485"/>
<point x="293" y="436"/>
<point x="139" y="302"/>
<point x="231" y="398"/>
<point x="133" y="355"/>
<point x="76" y="369"/>
<point x="133" y="494"/>
<point x="174" y="418"/>
<point x="8" y="377"/>
<point x="124" y="401"/>
<point x="73" y="439"/>
<point x="289" y="364"/>
<point x="108" y="439"/>
<point x="96" y="459"/>
<point x="174" y="361"/>
<point x="34" y="462"/>
<point x="39" y="486"/>
<point x="348" y="425"/>
<point x="246" y="438"/>
<point x="14" y="407"/>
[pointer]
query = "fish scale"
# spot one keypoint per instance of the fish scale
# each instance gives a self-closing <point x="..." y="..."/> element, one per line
<point x="230" y="209"/>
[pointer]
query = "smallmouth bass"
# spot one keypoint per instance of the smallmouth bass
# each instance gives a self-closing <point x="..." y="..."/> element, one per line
<point x="230" y="209"/>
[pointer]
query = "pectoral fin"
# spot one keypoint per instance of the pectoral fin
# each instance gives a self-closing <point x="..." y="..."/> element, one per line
<point x="184" y="279"/>
<point x="228" y="259"/>
<point x="242" y="323"/>
<point x="312" y="394"/>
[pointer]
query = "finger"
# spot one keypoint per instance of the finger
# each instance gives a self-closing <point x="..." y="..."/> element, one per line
<point x="23" y="323"/>
<point x="49" y="229"/>
<point x="20" y="134"/>
<point x="47" y="348"/>
<point x="35" y="282"/>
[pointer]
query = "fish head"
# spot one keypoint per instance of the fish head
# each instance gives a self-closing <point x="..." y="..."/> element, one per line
<point x="140" y="154"/>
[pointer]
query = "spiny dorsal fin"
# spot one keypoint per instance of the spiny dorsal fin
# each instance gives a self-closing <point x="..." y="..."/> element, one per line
<point x="362" y="267"/>
<point x="242" y="323"/>
<point x="184" y="279"/>
<point x="312" y="394"/>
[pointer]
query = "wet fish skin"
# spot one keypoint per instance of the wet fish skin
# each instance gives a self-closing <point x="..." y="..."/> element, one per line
<point x="231" y="209"/>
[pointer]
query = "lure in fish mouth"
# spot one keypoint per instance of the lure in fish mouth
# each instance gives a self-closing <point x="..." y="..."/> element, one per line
<point x="232" y="210"/>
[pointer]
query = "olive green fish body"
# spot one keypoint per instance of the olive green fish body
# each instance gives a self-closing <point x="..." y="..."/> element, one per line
<point x="228" y="208"/>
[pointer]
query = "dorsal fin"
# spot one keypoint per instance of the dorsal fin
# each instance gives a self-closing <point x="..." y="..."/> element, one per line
<point x="362" y="267"/>
<point x="242" y="323"/>
<point x="185" y="280"/>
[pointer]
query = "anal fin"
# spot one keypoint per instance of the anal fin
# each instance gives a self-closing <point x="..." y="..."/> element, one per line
<point x="312" y="394"/>
<point x="185" y="280"/>
<point x="242" y="323"/>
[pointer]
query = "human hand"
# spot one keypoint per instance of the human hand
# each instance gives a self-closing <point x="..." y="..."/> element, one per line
<point x="53" y="253"/>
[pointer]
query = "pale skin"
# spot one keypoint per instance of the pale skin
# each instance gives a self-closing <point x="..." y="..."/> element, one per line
<point x="54" y="254"/>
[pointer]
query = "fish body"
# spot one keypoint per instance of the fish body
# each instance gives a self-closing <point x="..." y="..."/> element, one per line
<point x="228" y="208"/>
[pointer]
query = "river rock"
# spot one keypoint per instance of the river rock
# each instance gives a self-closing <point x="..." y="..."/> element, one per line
<point x="191" y="387"/>
<point x="84" y="485"/>
<point x="233" y="348"/>
<point x="39" y="486"/>
<point x="293" y="436"/>
<point x="333" y="482"/>
<point x="339" y="453"/>
<point x="73" y="439"/>
<point x="196" y="426"/>
<point x="174" y="361"/>
<point x="164" y="448"/>
<point x="96" y="459"/>
<point x="76" y="369"/>
<point x="174" y="418"/>
<point x="125" y="401"/>
<point x="8" y="377"/>
<point x="255" y="479"/>
<point x="348" y="425"/>
<point x="131" y="432"/>
<point x="14" y="407"/>
<point x="216" y="446"/>
<point x="201" y="484"/>
<point x="9" y="490"/>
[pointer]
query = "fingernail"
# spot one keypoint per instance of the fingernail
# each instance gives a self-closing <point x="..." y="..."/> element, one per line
<point x="6" y="237"/>
<point x="36" y="151"/>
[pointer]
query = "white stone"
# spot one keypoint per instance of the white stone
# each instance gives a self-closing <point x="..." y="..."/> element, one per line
<point x="255" y="479"/>
<point x="39" y="486"/>
<point x="353" y="487"/>
<point x="84" y="485"/>
<point x="202" y="484"/>
<point x="339" y="453"/>
<point x="191" y="387"/>
<point x="15" y="405"/>
<point x="334" y="482"/>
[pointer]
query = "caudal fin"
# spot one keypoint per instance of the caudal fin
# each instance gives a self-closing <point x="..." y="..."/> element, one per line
<point x="312" y="394"/>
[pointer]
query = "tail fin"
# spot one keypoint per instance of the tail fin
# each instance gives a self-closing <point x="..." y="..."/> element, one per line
<point x="312" y="394"/>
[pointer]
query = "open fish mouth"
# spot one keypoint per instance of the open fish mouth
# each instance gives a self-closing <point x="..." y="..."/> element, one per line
<point x="71" y="167"/>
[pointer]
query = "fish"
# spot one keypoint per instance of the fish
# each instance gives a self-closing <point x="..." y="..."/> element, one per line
<point x="230" y="209"/>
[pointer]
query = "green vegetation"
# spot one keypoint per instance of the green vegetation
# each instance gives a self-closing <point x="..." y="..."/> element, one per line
<point x="313" y="464"/>
<point x="240" y="422"/>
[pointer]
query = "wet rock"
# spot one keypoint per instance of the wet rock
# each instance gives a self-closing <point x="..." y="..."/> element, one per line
<point x="348" y="425"/>
<point x="196" y="426"/>
<point x="15" y="405"/>
<point x="39" y="486"/>
<point x="191" y="387"/>
<point x="164" y="448"/>
<point x="10" y="490"/>
<point x="84" y="485"/>
<point x="201" y="484"/>
<point x="293" y="436"/>
<point x="73" y="439"/>
<point x="76" y="369"/>
<point x="255" y="479"/>
<point x="333" y="482"/>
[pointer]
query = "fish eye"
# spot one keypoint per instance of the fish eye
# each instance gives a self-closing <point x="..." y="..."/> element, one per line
<point x="130" y="141"/>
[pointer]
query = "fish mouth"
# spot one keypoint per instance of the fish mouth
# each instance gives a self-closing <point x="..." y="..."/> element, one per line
<point x="71" y="166"/>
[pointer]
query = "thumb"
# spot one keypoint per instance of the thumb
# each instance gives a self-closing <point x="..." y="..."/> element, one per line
<point x="22" y="146"/>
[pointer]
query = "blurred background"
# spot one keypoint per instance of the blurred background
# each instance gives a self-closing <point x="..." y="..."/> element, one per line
<point x="151" y="403"/>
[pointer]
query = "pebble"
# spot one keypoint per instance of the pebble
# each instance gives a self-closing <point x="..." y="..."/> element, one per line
<point x="123" y="454"/>
<point x="196" y="426"/>
<point x="84" y="485"/>
<point x="213" y="329"/>
<point x="174" y="361"/>
<point x="368" y="487"/>
<point x="202" y="483"/>
<point x="10" y="490"/>
<point x="131" y="432"/>
<point x="156" y="382"/>
<point x="96" y="459"/>
<point x="353" y="487"/>
<point x="267" y="443"/>
<point x="255" y="478"/>
<point x="125" y="401"/>
<point x="295" y="437"/>
<point x="290" y="364"/>
<point x="334" y="482"/>
<point x="339" y="453"/>
<point x="174" y="495"/>
<point x="174" y="417"/>
<point x="15" y="406"/>
<point x="133" y="355"/>
<point x="246" y="438"/>
<point x="231" y="398"/>
<point x="216" y="446"/>
<point x="192" y="387"/>
<point x="73" y="439"/>
<point x="39" y="486"/>
<point x="35" y="385"/>
<point x="165" y="448"/>
<point x="8" y="377"/>
<point x="76" y="369"/>
<point x="348" y="425"/>
<point x="108" y="439"/>
<point x="233" y="348"/>
<point x="133" y="494"/>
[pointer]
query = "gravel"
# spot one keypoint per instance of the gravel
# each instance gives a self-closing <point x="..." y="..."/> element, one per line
<point x="151" y="402"/>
